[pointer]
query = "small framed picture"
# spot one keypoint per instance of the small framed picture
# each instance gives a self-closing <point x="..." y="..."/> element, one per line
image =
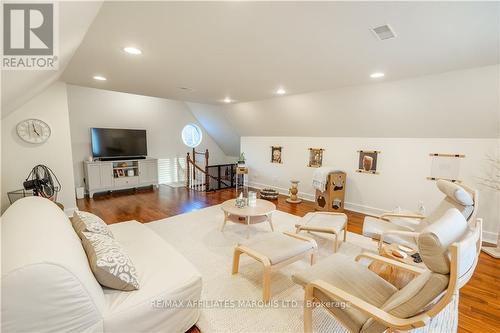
<point x="276" y="154"/>
<point x="315" y="157"/>
<point x="120" y="173"/>
<point x="368" y="161"/>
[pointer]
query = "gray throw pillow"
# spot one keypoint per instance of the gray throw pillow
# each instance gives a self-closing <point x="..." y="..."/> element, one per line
<point x="85" y="221"/>
<point x="111" y="265"/>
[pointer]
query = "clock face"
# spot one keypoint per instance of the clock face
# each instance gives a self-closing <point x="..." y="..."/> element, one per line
<point x="33" y="130"/>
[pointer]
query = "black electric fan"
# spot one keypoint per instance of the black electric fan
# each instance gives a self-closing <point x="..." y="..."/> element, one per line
<point x="41" y="180"/>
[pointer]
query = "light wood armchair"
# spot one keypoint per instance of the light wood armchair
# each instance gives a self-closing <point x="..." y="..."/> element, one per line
<point x="403" y="228"/>
<point x="381" y="318"/>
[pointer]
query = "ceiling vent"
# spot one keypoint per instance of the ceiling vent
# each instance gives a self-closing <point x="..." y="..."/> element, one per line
<point x="384" y="32"/>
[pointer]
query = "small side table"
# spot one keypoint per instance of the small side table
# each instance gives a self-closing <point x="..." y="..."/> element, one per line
<point x="243" y="172"/>
<point x="396" y="277"/>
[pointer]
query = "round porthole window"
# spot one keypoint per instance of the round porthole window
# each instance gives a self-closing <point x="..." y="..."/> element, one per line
<point x="191" y="135"/>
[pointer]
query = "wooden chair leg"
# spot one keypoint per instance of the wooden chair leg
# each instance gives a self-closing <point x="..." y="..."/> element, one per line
<point x="345" y="233"/>
<point x="270" y="220"/>
<point x="308" y="309"/>
<point x="225" y="221"/>
<point x="313" y="258"/>
<point x="335" y="242"/>
<point x="236" y="260"/>
<point x="266" y="284"/>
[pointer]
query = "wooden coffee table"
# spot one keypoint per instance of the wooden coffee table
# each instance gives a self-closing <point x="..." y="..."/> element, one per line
<point x="262" y="212"/>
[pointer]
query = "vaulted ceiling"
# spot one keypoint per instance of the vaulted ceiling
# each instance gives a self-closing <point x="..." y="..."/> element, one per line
<point x="18" y="86"/>
<point x="246" y="50"/>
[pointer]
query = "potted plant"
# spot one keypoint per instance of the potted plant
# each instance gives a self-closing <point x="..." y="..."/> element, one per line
<point x="241" y="160"/>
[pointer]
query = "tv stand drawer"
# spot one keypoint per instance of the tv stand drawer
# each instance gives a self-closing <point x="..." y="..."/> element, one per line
<point x="126" y="181"/>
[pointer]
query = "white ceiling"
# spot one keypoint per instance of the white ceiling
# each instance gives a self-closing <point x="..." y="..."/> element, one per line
<point x="246" y="50"/>
<point x="20" y="86"/>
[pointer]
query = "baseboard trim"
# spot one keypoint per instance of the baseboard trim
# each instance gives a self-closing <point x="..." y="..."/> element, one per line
<point x="488" y="236"/>
<point x="367" y="210"/>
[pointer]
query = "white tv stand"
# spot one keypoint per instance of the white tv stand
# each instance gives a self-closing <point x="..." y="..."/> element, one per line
<point x="102" y="176"/>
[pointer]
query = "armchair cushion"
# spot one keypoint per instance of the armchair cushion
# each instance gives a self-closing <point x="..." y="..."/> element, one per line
<point x="411" y="299"/>
<point x="455" y="192"/>
<point x="352" y="277"/>
<point x="434" y="240"/>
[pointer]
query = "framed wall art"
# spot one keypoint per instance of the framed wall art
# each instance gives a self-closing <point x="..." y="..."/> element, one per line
<point x="315" y="157"/>
<point x="367" y="162"/>
<point x="276" y="154"/>
<point x="445" y="166"/>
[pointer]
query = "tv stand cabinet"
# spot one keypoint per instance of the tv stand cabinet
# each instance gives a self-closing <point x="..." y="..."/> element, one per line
<point x="104" y="176"/>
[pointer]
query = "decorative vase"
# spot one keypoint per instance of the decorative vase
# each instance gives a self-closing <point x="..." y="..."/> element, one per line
<point x="293" y="191"/>
<point x="252" y="199"/>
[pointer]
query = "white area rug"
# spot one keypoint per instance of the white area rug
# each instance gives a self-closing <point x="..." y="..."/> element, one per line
<point x="197" y="236"/>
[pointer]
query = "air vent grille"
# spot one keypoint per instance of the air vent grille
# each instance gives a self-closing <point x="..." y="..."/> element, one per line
<point x="384" y="32"/>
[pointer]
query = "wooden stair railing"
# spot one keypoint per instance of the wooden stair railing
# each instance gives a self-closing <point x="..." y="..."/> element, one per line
<point x="198" y="178"/>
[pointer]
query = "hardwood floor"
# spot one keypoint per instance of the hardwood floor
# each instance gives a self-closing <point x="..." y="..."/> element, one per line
<point x="479" y="307"/>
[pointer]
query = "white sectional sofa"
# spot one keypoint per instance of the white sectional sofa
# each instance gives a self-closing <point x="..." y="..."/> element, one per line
<point x="47" y="284"/>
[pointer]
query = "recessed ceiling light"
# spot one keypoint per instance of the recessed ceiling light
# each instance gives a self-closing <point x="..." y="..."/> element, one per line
<point x="132" y="50"/>
<point x="188" y="89"/>
<point x="227" y="100"/>
<point x="99" y="78"/>
<point x="280" y="91"/>
<point x="377" y="75"/>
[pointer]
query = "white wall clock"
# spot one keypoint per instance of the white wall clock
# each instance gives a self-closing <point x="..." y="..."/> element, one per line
<point x="33" y="130"/>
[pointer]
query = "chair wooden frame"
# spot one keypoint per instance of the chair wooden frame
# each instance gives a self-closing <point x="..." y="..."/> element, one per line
<point x="386" y="217"/>
<point x="268" y="267"/>
<point x="326" y="230"/>
<point x="391" y="321"/>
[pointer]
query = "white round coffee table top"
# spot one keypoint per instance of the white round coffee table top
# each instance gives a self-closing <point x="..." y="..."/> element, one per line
<point x="263" y="207"/>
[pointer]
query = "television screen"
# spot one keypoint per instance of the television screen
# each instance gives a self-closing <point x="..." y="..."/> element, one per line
<point x="113" y="142"/>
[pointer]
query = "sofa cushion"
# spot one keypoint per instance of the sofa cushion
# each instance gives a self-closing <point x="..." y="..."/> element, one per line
<point x="109" y="262"/>
<point x="85" y="221"/>
<point x="47" y="284"/>
<point x="164" y="275"/>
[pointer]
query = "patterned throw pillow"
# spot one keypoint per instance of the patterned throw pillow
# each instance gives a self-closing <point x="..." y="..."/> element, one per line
<point x="108" y="261"/>
<point x="85" y="221"/>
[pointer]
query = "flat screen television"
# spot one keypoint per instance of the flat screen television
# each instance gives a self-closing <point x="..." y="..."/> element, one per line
<point x="115" y="143"/>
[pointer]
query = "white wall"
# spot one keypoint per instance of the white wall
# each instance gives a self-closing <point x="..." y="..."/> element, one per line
<point x="19" y="157"/>
<point x="404" y="165"/>
<point x="162" y="118"/>
<point x="215" y="123"/>
<point x="458" y="104"/>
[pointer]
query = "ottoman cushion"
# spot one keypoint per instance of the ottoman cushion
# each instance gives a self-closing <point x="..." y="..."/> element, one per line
<point x="278" y="247"/>
<point x="336" y="222"/>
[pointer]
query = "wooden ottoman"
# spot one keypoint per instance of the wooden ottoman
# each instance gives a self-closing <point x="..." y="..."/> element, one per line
<point x="274" y="251"/>
<point x="325" y="222"/>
